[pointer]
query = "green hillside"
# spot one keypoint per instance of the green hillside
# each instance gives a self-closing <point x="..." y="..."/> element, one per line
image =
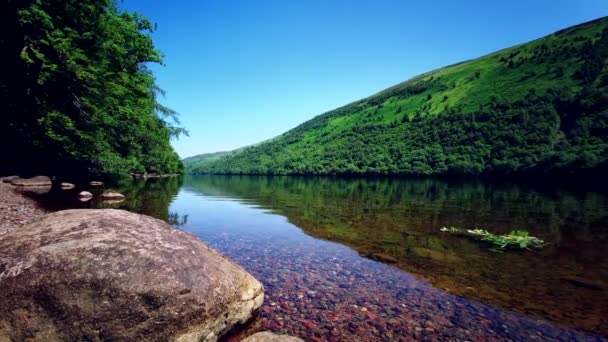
<point x="534" y="108"/>
<point x="205" y="158"/>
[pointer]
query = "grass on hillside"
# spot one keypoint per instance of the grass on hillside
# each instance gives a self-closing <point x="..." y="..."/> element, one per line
<point x="535" y="106"/>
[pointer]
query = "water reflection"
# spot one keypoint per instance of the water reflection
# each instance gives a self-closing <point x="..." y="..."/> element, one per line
<point x="398" y="221"/>
<point x="177" y="220"/>
<point x="316" y="288"/>
<point x="148" y="196"/>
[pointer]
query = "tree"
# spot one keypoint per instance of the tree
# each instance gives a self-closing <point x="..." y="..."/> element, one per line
<point x="79" y="96"/>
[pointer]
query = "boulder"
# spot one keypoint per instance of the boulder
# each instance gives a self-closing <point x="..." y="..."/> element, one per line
<point x="96" y="183"/>
<point x="267" y="336"/>
<point x="67" y="186"/>
<point x="8" y="179"/>
<point x="112" y="195"/>
<point x="34" y="181"/>
<point x="110" y="274"/>
<point x="85" y="196"/>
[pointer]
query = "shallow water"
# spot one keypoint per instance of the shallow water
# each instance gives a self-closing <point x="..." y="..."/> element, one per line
<point x="311" y="242"/>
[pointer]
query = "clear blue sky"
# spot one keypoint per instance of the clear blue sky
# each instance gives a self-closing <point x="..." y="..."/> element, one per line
<point x="240" y="72"/>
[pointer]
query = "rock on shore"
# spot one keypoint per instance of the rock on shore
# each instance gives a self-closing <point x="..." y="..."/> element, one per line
<point x="16" y="209"/>
<point x="114" y="275"/>
<point x="85" y="195"/>
<point x="34" y="181"/>
<point x="112" y="195"/>
<point x="67" y="186"/>
<point x="266" y="336"/>
<point x="8" y="179"/>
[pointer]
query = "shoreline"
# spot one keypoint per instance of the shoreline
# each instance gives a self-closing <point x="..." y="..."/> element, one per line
<point x="289" y="294"/>
<point x="16" y="208"/>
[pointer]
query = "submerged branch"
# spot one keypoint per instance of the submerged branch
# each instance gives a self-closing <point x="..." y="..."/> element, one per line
<point x="517" y="239"/>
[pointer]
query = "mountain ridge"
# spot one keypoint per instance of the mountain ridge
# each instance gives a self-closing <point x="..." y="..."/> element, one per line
<point x="454" y="119"/>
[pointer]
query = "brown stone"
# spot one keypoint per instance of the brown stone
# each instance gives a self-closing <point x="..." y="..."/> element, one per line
<point x="16" y="209"/>
<point x="8" y="179"/>
<point x="34" y="181"/>
<point x="36" y="190"/>
<point x="266" y="336"/>
<point x="114" y="275"/>
<point x="112" y="195"/>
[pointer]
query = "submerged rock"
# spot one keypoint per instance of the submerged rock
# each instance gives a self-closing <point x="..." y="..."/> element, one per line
<point x="114" y="275"/>
<point x="584" y="283"/>
<point x="112" y="195"/>
<point x="382" y="257"/>
<point x="266" y="336"/>
<point x="34" y="181"/>
<point x="67" y="186"/>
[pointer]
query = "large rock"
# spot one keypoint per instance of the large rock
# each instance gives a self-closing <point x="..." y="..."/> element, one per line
<point x="114" y="275"/>
<point x="267" y="336"/>
<point x="40" y="181"/>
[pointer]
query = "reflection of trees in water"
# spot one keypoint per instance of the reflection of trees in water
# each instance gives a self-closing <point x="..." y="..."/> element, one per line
<point x="399" y="220"/>
<point x="421" y="204"/>
<point x="177" y="220"/>
<point x="150" y="196"/>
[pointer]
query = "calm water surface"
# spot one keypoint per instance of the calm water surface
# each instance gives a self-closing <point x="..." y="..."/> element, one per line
<point x="361" y="259"/>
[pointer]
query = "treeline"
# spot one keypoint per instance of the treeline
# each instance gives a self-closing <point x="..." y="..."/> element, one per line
<point x="551" y="133"/>
<point x="530" y="110"/>
<point x="77" y="94"/>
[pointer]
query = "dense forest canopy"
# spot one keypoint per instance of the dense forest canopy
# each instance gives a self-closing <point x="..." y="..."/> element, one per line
<point x="536" y="108"/>
<point x="77" y="94"/>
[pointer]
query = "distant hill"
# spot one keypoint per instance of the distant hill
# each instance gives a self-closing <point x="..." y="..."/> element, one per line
<point x="539" y="107"/>
<point x="201" y="159"/>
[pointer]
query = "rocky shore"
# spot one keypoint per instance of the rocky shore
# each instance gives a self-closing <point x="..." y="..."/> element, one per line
<point x="114" y="275"/>
<point x="15" y="208"/>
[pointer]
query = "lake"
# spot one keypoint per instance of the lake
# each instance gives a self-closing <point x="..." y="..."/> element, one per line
<point x="364" y="259"/>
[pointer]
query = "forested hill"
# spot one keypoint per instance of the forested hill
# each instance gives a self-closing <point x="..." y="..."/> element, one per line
<point x="205" y="158"/>
<point x="76" y="92"/>
<point x="540" y="107"/>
